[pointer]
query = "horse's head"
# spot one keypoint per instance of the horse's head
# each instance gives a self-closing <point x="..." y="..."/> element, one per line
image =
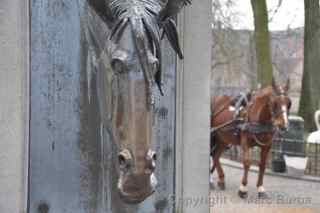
<point x="280" y="105"/>
<point x="134" y="62"/>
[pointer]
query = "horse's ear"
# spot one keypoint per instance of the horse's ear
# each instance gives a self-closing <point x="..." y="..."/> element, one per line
<point x="259" y="86"/>
<point x="287" y="87"/>
<point x="170" y="30"/>
<point x="274" y="85"/>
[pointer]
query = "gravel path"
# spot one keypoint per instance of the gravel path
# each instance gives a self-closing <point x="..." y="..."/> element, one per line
<point x="285" y="195"/>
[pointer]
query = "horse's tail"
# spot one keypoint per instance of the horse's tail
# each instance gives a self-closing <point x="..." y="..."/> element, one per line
<point x="213" y="144"/>
<point x="213" y="148"/>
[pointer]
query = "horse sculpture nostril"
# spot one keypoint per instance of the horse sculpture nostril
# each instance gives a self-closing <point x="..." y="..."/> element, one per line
<point x="151" y="158"/>
<point x="154" y="156"/>
<point x="121" y="159"/>
<point x="124" y="159"/>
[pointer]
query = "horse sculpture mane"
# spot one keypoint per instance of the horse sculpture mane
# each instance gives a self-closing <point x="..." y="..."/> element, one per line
<point x="154" y="15"/>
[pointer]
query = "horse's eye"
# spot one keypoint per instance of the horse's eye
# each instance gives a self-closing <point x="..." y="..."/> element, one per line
<point x="154" y="63"/>
<point x="118" y="65"/>
<point x="289" y="104"/>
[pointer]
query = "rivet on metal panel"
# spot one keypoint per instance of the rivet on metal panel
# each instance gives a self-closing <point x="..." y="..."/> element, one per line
<point x="43" y="208"/>
<point x="161" y="204"/>
<point x="163" y="113"/>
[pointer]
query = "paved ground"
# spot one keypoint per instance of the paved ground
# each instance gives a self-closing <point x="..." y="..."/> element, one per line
<point x="285" y="195"/>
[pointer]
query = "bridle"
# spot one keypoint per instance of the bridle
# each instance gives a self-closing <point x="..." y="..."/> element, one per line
<point x="255" y="128"/>
<point x="274" y="114"/>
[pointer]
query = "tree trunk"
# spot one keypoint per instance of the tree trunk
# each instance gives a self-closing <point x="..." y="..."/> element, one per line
<point x="262" y="42"/>
<point x="310" y="94"/>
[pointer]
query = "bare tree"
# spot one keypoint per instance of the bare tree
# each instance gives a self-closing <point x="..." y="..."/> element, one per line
<point x="262" y="42"/>
<point x="310" y="94"/>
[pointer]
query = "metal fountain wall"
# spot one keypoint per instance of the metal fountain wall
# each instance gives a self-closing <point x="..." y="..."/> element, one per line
<point x="70" y="152"/>
<point x="54" y="156"/>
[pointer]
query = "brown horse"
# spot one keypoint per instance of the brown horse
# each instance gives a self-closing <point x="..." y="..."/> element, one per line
<point x="265" y="113"/>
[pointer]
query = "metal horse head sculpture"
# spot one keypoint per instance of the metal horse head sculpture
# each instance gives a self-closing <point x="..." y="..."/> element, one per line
<point x="133" y="71"/>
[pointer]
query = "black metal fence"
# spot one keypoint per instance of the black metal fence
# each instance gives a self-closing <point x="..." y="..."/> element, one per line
<point x="280" y="147"/>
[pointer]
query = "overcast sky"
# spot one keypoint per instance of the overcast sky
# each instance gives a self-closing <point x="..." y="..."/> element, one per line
<point x="291" y="13"/>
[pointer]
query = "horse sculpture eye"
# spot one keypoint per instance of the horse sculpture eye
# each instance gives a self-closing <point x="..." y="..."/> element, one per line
<point x="118" y="65"/>
<point x="155" y="67"/>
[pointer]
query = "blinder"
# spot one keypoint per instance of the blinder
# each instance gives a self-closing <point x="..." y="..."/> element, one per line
<point x="271" y="107"/>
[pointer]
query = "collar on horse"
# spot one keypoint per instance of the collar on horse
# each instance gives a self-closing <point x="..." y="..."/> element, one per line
<point x="257" y="128"/>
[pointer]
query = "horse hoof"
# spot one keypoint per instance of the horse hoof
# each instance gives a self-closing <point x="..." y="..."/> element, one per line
<point x="262" y="195"/>
<point x="221" y="185"/>
<point x="242" y="194"/>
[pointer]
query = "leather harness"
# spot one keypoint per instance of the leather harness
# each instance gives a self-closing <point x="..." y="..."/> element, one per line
<point x="254" y="128"/>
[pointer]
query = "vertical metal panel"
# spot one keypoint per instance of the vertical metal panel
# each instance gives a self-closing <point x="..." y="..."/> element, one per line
<point x="193" y="108"/>
<point x="64" y="162"/>
<point x="14" y="96"/>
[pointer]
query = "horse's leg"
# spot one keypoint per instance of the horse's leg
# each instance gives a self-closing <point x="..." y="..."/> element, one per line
<point x="243" y="191"/>
<point x="211" y="181"/>
<point x="214" y="145"/>
<point x="216" y="162"/>
<point x="213" y="149"/>
<point x="262" y="166"/>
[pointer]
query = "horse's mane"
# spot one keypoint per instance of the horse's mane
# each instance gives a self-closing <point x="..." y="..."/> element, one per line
<point x="262" y="93"/>
<point x="121" y="8"/>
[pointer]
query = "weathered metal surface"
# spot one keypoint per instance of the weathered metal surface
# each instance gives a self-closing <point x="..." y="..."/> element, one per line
<point x="14" y="104"/>
<point x="64" y="155"/>
<point x="165" y="134"/>
<point x="72" y="156"/>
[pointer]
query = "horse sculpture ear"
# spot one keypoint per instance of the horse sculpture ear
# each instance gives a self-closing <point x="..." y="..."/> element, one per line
<point x="101" y="7"/>
<point x="172" y="8"/>
<point x="287" y="87"/>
